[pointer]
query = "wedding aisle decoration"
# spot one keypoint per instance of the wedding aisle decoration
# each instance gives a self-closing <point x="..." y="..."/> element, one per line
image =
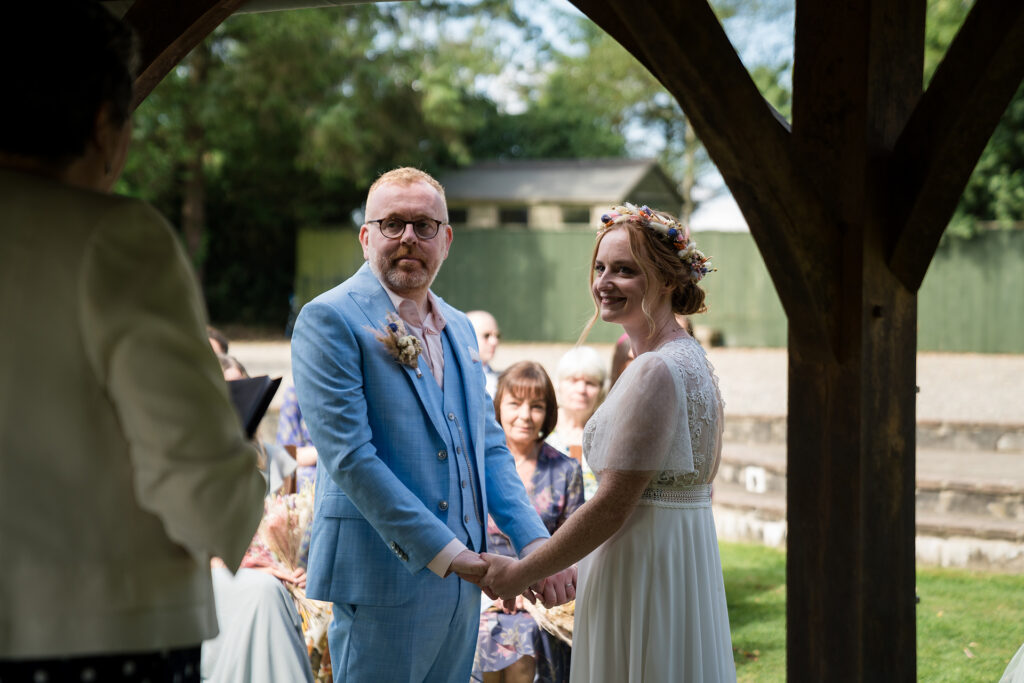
<point x="555" y="620"/>
<point x="283" y="542"/>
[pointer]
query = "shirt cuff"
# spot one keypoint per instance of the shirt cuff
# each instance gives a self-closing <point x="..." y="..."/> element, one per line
<point x="531" y="546"/>
<point x="442" y="562"/>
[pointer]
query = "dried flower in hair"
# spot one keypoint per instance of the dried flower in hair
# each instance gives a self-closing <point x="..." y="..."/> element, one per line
<point x="668" y="229"/>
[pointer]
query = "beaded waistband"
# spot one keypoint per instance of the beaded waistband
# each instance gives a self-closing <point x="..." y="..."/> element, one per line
<point x="687" y="496"/>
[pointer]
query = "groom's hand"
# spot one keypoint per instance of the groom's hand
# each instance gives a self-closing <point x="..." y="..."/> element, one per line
<point x="469" y="566"/>
<point x="557" y="589"/>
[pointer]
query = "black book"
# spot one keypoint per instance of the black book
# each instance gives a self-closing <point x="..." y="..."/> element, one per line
<point x="252" y="397"/>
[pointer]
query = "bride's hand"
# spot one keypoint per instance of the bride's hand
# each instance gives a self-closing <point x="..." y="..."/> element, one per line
<point x="502" y="576"/>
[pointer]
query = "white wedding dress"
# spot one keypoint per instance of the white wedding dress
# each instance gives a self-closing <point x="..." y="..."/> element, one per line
<point x="650" y="605"/>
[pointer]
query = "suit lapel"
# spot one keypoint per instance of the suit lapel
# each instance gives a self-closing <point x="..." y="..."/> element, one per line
<point x="468" y="371"/>
<point x="375" y="304"/>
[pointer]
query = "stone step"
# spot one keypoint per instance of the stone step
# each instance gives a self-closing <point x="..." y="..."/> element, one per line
<point x="977" y="483"/>
<point x="938" y="434"/>
<point x="948" y="539"/>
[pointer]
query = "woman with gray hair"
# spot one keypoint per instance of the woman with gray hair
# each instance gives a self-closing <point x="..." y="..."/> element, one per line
<point x="581" y="386"/>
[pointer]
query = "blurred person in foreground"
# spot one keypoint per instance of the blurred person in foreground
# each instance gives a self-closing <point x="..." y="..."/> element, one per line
<point x="488" y="336"/>
<point x="411" y="459"/>
<point x="123" y="465"/>
<point x="511" y="647"/>
<point x="651" y="606"/>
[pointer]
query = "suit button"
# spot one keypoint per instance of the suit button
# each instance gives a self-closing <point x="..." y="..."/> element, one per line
<point x="451" y="416"/>
<point x="466" y="519"/>
<point x="458" y="450"/>
<point x="443" y="505"/>
<point x="442" y="455"/>
<point x="463" y="483"/>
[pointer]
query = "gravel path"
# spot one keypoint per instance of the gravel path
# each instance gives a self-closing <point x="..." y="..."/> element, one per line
<point x="954" y="387"/>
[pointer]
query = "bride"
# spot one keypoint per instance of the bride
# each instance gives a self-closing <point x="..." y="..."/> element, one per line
<point x="650" y="601"/>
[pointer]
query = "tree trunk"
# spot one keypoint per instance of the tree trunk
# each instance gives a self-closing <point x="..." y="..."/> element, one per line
<point x="689" y="181"/>
<point x="193" y="201"/>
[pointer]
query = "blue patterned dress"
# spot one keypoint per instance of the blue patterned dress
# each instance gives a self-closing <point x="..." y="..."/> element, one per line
<point x="292" y="431"/>
<point x="556" y="490"/>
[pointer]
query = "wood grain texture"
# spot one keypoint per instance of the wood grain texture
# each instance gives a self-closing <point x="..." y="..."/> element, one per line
<point x="168" y="31"/>
<point x="946" y="134"/>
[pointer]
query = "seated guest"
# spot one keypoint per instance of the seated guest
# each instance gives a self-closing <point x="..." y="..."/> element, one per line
<point x="581" y="378"/>
<point x="260" y="639"/>
<point x="511" y="648"/>
<point x="218" y="340"/>
<point x="124" y="465"/>
<point x="488" y="336"/>
<point x="292" y="431"/>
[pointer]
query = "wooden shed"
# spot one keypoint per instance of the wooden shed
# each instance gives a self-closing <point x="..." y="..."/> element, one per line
<point x="549" y="194"/>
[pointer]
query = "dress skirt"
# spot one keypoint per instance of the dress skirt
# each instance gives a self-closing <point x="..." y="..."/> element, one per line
<point x="650" y="606"/>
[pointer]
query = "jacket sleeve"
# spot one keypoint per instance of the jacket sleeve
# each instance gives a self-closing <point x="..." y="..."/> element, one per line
<point x="326" y="364"/>
<point x="507" y="501"/>
<point x="143" y="321"/>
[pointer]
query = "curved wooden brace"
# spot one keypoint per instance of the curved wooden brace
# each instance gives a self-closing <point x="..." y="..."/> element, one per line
<point x="683" y="44"/>
<point x="169" y="31"/>
<point x="948" y="130"/>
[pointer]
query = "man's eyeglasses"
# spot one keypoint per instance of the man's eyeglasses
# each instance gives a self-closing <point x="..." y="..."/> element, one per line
<point x="393" y="228"/>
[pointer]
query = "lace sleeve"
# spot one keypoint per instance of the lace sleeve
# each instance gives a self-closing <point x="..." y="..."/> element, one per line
<point x="638" y="427"/>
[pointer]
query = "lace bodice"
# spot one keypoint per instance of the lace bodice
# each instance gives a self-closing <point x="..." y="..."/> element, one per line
<point x="664" y="414"/>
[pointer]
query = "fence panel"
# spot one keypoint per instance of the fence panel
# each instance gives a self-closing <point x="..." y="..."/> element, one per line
<point x="535" y="283"/>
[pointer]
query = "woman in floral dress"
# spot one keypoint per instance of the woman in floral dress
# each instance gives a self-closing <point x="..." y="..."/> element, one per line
<point x="511" y="647"/>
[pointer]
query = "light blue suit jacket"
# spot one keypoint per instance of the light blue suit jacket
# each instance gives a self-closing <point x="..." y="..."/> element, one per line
<point x="378" y="434"/>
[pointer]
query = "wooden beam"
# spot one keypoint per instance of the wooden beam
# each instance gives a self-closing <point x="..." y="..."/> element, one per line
<point x="685" y="47"/>
<point x="168" y="31"/>
<point x="948" y="131"/>
<point x="850" y="562"/>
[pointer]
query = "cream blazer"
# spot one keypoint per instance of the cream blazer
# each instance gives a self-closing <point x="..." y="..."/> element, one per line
<point x="123" y="466"/>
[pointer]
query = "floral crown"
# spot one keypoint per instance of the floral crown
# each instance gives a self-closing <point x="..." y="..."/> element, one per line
<point x="670" y="230"/>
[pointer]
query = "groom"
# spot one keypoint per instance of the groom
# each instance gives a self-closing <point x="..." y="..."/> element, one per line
<point x="411" y="459"/>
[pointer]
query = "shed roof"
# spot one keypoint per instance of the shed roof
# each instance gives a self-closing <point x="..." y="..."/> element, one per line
<point x="585" y="181"/>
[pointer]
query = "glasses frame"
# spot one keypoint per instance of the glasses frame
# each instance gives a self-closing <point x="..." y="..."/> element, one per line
<point x="406" y="224"/>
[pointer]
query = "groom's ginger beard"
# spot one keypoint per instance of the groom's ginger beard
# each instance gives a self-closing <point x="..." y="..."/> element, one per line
<point x="402" y="278"/>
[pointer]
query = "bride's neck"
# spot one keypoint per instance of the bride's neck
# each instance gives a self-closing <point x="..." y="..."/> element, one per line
<point x="666" y="329"/>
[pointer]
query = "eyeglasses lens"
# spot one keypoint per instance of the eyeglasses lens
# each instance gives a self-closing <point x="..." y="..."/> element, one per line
<point x="393" y="228"/>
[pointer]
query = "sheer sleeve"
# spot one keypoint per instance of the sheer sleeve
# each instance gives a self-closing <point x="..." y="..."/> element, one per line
<point x="643" y="425"/>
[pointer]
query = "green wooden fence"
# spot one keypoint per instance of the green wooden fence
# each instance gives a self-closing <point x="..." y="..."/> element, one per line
<point x="535" y="283"/>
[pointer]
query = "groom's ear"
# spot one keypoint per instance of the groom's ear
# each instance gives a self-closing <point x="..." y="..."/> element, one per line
<point x="364" y="240"/>
<point x="449" y="236"/>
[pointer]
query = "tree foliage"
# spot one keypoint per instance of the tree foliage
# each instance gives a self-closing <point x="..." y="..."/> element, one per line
<point x="994" y="196"/>
<point x="281" y="120"/>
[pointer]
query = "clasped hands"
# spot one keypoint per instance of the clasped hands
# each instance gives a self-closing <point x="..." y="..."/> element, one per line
<point x="502" y="577"/>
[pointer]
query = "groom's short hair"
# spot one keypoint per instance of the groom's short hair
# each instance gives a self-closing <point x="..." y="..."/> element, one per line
<point x="406" y="175"/>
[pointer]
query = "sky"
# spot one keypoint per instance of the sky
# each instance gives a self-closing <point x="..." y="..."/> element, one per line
<point x="756" y="41"/>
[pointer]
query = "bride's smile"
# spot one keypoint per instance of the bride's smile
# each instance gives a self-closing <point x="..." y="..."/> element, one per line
<point x="619" y="284"/>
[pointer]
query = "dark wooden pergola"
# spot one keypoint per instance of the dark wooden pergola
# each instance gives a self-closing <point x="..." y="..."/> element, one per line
<point x="847" y="205"/>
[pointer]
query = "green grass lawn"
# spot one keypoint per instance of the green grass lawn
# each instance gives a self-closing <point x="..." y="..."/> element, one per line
<point x="969" y="624"/>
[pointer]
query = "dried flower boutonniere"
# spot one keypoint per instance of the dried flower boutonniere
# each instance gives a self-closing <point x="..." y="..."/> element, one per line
<point x="403" y="347"/>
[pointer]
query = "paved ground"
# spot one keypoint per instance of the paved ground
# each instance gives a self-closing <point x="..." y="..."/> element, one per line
<point x="954" y="387"/>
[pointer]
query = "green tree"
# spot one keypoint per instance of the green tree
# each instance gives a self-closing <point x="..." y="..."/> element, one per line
<point x="282" y="120"/>
<point x="994" y="196"/>
<point x="597" y="100"/>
